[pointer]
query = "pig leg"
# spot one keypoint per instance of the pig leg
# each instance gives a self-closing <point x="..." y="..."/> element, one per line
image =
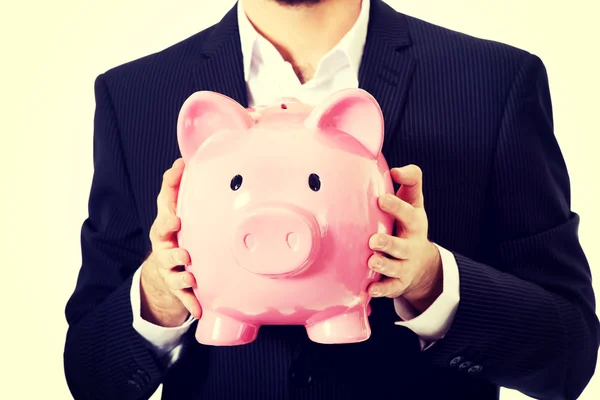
<point x="215" y="329"/>
<point x="351" y="326"/>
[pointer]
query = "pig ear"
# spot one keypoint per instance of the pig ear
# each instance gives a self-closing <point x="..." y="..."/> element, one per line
<point x="355" y="112"/>
<point x="204" y="114"/>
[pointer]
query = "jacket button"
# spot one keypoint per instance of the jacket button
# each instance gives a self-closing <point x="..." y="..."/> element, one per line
<point x="465" y="365"/>
<point x="136" y="386"/>
<point x="455" y="361"/>
<point x="300" y="376"/>
<point x="475" y="369"/>
<point x="142" y="376"/>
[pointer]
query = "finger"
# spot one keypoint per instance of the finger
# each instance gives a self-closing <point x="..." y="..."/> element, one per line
<point x="176" y="280"/>
<point x="410" y="178"/>
<point x="402" y="211"/>
<point x="387" y="287"/>
<point x="393" y="246"/>
<point x="163" y="230"/>
<point x="167" y="197"/>
<point x="170" y="258"/>
<point x="189" y="301"/>
<point x="386" y="266"/>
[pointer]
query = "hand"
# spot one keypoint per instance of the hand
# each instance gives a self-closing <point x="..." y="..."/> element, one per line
<point x="413" y="269"/>
<point x="166" y="297"/>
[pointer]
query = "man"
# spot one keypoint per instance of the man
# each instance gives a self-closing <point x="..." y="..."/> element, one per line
<point x="485" y="271"/>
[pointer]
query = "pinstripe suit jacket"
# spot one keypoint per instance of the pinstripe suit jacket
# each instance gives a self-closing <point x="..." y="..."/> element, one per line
<point x="475" y="115"/>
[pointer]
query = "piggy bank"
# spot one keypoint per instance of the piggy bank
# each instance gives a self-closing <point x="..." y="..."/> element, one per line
<point x="277" y="205"/>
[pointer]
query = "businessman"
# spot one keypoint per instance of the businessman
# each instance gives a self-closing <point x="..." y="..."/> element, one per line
<point x="485" y="284"/>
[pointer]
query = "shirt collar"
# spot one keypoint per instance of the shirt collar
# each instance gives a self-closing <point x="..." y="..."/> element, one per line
<point x="352" y="44"/>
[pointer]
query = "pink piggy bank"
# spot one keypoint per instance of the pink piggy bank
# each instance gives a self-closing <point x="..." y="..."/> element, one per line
<point x="277" y="205"/>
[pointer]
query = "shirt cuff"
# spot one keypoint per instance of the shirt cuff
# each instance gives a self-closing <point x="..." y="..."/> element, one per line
<point x="165" y="340"/>
<point x="433" y="324"/>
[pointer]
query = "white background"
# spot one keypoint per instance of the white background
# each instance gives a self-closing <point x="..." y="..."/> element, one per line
<point x="52" y="51"/>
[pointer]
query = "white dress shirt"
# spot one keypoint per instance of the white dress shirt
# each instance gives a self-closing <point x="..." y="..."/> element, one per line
<point x="269" y="77"/>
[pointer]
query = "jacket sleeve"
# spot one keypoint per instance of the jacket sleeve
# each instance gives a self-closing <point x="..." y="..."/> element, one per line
<point x="526" y="318"/>
<point x="104" y="357"/>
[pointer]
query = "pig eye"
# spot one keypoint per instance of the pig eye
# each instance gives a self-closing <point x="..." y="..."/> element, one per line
<point x="314" y="182"/>
<point x="236" y="182"/>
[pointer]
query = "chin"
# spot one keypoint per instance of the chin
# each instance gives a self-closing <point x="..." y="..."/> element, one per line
<point x="298" y="2"/>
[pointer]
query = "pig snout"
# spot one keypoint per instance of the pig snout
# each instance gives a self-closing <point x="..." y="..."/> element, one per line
<point x="276" y="241"/>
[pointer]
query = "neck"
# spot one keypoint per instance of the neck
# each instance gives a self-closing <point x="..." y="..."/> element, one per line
<point x="303" y="33"/>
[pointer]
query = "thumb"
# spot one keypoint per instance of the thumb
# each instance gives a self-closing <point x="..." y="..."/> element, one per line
<point x="410" y="179"/>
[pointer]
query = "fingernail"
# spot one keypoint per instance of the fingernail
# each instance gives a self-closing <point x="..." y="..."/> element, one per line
<point x="375" y="292"/>
<point x="376" y="242"/>
<point x="385" y="200"/>
<point x="380" y="242"/>
<point x="177" y="259"/>
<point x="376" y="263"/>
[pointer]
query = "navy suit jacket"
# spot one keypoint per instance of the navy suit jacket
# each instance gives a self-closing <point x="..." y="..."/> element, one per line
<point x="475" y="115"/>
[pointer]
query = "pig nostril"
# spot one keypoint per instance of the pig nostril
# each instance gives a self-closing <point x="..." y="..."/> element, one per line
<point x="284" y="107"/>
<point x="250" y="242"/>
<point x="292" y="240"/>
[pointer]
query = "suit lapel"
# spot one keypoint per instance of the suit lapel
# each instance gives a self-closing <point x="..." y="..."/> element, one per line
<point x="220" y="67"/>
<point x="387" y="68"/>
